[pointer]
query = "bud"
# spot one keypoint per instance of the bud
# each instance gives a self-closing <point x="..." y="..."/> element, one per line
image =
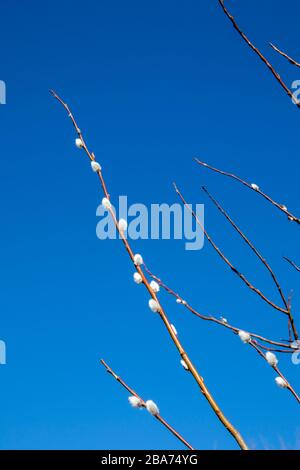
<point x="106" y="203"/>
<point x="271" y="359"/>
<point x="244" y="336"/>
<point x="154" y="286"/>
<point x="137" y="278"/>
<point x="152" y="407"/>
<point x="122" y="224"/>
<point x="79" y="143"/>
<point x="95" y="166"/>
<point x="135" y="402"/>
<point x="153" y="305"/>
<point x="138" y="260"/>
<point x="280" y="382"/>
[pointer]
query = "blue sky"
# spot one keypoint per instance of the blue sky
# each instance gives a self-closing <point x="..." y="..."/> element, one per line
<point x="152" y="84"/>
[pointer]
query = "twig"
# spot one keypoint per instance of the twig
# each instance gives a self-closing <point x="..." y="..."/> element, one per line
<point x="257" y="51"/>
<point x="226" y="260"/>
<point x="200" y="381"/>
<point x="254" y="343"/>
<point x="290" y="59"/>
<point x="143" y="405"/>
<point x="281" y="207"/>
<point x="289" y="387"/>
<point x="263" y="260"/>
<point x="213" y="319"/>
<point x="292" y="263"/>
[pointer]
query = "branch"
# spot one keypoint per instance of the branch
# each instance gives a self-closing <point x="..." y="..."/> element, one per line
<point x="248" y="242"/>
<point x="253" y="187"/>
<point x="226" y="260"/>
<point x="290" y="59"/>
<point x="200" y="381"/>
<point x="275" y="367"/>
<point x="253" y="342"/>
<point x="292" y="263"/>
<point x="143" y="405"/>
<point x="218" y="321"/>
<point x="257" y="51"/>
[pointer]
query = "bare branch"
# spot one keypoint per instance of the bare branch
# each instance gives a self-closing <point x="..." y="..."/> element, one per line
<point x="292" y="263"/>
<point x="218" y="321"/>
<point x="290" y="59"/>
<point x="257" y="51"/>
<point x="226" y="260"/>
<point x="143" y="405"/>
<point x="254" y="337"/>
<point x="249" y="243"/>
<point x="255" y="188"/>
<point x="161" y="312"/>
<point x="289" y="387"/>
<point x="263" y="260"/>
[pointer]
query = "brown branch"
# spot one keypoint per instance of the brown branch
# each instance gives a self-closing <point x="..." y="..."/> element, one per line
<point x="161" y="312"/>
<point x="290" y="59"/>
<point x="254" y="343"/>
<point x="283" y="351"/>
<point x="292" y="263"/>
<point x="226" y="260"/>
<point x="143" y="405"/>
<point x="257" y="51"/>
<point x="281" y="207"/>
<point x="213" y="319"/>
<point x="262" y="259"/>
<point x="289" y="387"/>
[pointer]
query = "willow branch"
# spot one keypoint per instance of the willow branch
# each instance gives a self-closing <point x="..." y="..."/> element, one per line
<point x="281" y="207"/>
<point x="161" y="312"/>
<point x="257" y="51"/>
<point x="261" y="258"/>
<point x="254" y="337"/>
<point x="289" y="387"/>
<point x="226" y="260"/>
<point x="290" y="59"/>
<point x="143" y="405"/>
<point x="249" y="243"/>
<point x="210" y="318"/>
<point x="292" y="263"/>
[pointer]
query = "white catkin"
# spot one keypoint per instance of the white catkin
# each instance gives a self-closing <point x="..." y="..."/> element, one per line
<point x="184" y="364"/>
<point x="106" y="203"/>
<point x="244" y="336"/>
<point x="153" y="305"/>
<point x="137" y="278"/>
<point x="122" y="224"/>
<point x="152" y="407"/>
<point x="134" y="401"/>
<point x="280" y="382"/>
<point x="255" y="187"/>
<point x="138" y="260"/>
<point x="95" y="166"/>
<point x="79" y="143"/>
<point x="271" y="358"/>
<point x="178" y="301"/>
<point x="154" y="286"/>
